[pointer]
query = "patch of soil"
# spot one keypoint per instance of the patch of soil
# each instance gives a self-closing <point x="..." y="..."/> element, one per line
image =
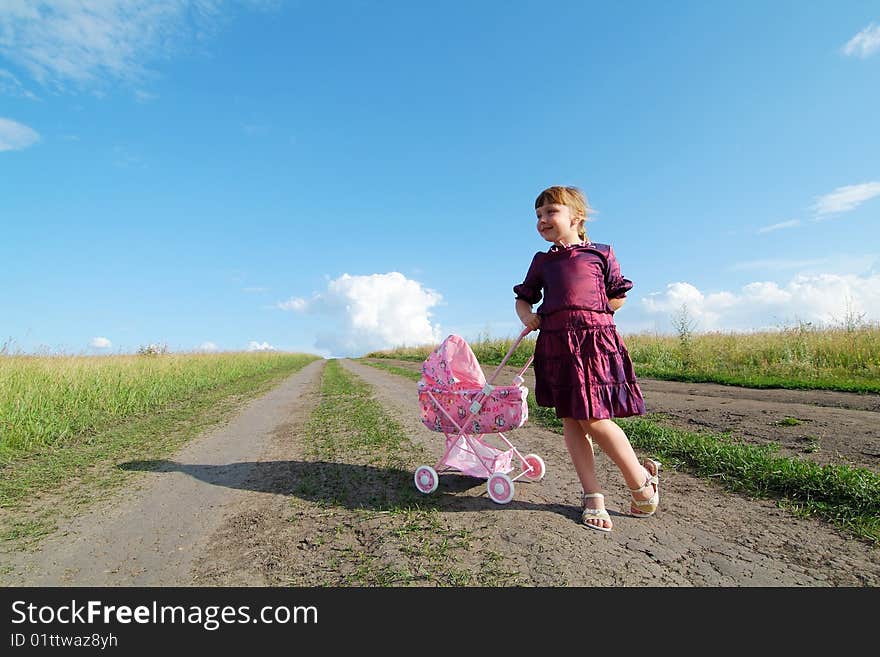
<point x="819" y="425"/>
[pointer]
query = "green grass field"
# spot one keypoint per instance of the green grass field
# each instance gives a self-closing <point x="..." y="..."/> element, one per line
<point x="65" y="422"/>
<point x="60" y="400"/>
<point x="846" y="359"/>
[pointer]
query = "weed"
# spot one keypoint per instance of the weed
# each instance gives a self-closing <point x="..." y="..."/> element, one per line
<point x="813" y="445"/>
<point x="684" y="326"/>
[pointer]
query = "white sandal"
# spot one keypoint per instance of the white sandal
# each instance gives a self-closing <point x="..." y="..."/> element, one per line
<point x="590" y="514"/>
<point x="645" y="508"/>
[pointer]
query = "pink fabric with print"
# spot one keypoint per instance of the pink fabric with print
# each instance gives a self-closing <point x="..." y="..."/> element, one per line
<point x="456" y="399"/>
<point x="453" y="377"/>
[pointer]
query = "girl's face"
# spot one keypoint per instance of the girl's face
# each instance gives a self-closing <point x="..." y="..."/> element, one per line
<point x="557" y="224"/>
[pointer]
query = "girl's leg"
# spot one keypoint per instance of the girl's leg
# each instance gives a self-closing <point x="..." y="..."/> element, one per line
<point x="614" y="442"/>
<point x="581" y="451"/>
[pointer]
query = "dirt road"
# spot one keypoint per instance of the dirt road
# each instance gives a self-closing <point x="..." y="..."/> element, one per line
<point x="231" y="508"/>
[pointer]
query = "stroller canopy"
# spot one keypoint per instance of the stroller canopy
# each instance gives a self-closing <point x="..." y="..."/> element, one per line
<point x="453" y="366"/>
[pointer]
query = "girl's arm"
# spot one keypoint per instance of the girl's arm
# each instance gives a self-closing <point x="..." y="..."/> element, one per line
<point x="616" y="286"/>
<point x="528" y="293"/>
<point x="526" y="316"/>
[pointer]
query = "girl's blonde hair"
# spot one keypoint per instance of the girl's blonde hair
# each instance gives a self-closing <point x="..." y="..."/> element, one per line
<point x="573" y="197"/>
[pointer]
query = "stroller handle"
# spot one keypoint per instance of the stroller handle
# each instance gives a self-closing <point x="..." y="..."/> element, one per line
<point x="513" y="347"/>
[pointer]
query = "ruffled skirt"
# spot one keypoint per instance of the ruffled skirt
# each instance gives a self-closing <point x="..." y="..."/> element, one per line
<point x="582" y="367"/>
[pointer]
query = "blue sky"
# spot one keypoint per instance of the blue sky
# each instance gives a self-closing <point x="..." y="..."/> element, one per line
<point x="336" y="177"/>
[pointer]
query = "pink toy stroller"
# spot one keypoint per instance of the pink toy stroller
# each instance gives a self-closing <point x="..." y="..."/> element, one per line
<point x="456" y="399"/>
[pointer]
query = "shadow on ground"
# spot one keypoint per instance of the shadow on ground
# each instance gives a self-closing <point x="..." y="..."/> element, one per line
<point x="347" y="485"/>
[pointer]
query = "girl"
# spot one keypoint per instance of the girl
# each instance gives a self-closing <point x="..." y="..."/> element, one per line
<point x="582" y="367"/>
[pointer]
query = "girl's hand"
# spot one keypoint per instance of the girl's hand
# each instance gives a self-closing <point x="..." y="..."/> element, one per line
<point x="532" y="321"/>
<point x="615" y="304"/>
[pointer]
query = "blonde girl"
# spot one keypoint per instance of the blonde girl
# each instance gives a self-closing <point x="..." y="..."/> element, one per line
<point x="582" y="367"/>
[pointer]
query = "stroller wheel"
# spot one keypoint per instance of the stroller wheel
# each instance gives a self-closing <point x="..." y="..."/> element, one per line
<point x="537" y="465"/>
<point x="500" y="488"/>
<point x="426" y="479"/>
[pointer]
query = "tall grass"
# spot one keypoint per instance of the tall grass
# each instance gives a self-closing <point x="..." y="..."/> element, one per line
<point x="488" y="350"/>
<point x="51" y="400"/>
<point x="794" y="357"/>
<point x="803" y="356"/>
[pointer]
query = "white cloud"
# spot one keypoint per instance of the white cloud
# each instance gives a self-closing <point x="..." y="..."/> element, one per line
<point x="259" y="346"/>
<point x="681" y="294"/>
<point x="293" y="303"/>
<point x="63" y="44"/>
<point x="100" y="343"/>
<point x="207" y="346"/>
<point x="15" y="136"/>
<point x="84" y="43"/>
<point x="144" y="96"/>
<point x="378" y="311"/>
<point x="818" y="298"/>
<point x="784" y="224"/>
<point x="864" y="43"/>
<point x="10" y="86"/>
<point x="844" y="199"/>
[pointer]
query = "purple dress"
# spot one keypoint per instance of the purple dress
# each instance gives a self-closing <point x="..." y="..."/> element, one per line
<point x="582" y="367"/>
